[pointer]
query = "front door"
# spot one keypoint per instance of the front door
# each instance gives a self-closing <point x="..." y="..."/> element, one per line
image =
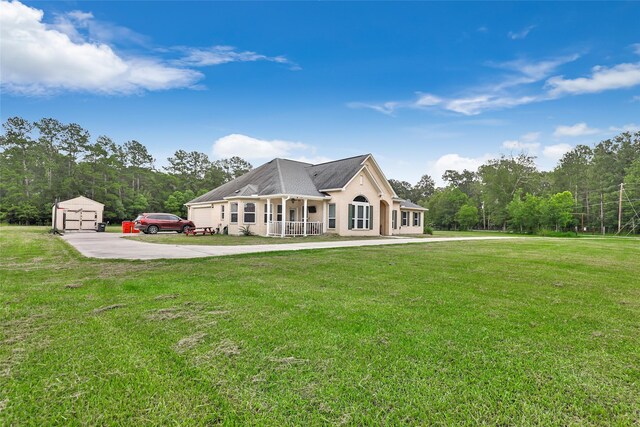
<point x="292" y="214"/>
<point x="384" y="218"/>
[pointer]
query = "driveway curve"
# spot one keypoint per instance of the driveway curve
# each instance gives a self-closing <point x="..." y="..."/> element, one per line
<point x="112" y="246"/>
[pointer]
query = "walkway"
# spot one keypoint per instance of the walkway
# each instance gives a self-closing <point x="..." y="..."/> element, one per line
<point x="111" y="246"/>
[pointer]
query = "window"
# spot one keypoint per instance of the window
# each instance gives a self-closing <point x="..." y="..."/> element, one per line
<point x="279" y="213"/>
<point x="332" y="215"/>
<point x="311" y="209"/>
<point x="222" y="212"/>
<point x="416" y="219"/>
<point x="270" y="218"/>
<point x="234" y="213"/>
<point x="249" y="213"/>
<point x="405" y="218"/>
<point x="292" y="215"/>
<point x="360" y="214"/>
<point x="394" y="219"/>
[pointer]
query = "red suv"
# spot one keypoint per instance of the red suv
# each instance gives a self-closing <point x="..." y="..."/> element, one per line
<point x="151" y="223"/>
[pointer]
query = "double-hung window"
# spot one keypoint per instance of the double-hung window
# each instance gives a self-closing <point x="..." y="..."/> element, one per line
<point x="416" y="219"/>
<point x="222" y="212"/>
<point x="234" y="213"/>
<point x="279" y="213"/>
<point x="360" y="214"/>
<point x="332" y="215"/>
<point x="405" y="218"/>
<point x="268" y="218"/>
<point x="249" y="213"/>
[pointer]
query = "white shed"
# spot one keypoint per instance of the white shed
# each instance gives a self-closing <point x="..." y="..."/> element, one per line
<point x="80" y="213"/>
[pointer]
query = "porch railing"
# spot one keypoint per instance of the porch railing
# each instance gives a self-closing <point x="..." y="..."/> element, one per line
<point x="295" y="228"/>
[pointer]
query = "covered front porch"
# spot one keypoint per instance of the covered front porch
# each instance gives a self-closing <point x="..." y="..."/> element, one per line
<point x="296" y="216"/>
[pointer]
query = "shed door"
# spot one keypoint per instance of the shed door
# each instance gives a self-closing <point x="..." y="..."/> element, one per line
<point x="88" y="220"/>
<point x="72" y="220"/>
<point x="202" y="217"/>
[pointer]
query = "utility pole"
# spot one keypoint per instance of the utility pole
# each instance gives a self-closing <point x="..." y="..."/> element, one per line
<point x="620" y="208"/>
<point x="601" y="214"/>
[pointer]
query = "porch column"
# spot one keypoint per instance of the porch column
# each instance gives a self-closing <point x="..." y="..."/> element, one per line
<point x="268" y="216"/>
<point x="284" y="211"/>
<point x="304" y="218"/>
<point x="324" y="216"/>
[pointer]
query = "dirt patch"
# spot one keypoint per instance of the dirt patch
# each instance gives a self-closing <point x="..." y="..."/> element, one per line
<point x="165" y="314"/>
<point x="74" y="285"/>
<point x="189" y="342"/>
<point x="228" y="348"/>
<point x="192" y="312"/>
<point x="164" y="297"/>
<point x="107" y="308"/>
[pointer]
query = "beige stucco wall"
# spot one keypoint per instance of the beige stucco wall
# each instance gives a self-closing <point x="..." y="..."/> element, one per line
<point x="259" y="226"/>
<point x="410" y="229"/>
<point x="362" y="185"/>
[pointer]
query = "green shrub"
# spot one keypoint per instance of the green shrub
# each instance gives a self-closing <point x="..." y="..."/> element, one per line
<point x="427" y="229"/>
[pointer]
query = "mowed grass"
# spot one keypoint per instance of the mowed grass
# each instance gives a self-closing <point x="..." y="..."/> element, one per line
<point x="512" y="332"/>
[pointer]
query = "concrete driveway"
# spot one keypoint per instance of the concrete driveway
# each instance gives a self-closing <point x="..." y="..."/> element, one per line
<point x="112" y="246"/>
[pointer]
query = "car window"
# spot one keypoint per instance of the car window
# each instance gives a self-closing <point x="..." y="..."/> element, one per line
<point x="155" y="216"/>
<point x="139" y="217"/>
<point x="174" y="218"/>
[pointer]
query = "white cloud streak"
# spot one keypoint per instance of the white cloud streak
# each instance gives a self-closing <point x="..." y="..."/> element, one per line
<point x="619" y="76"/>
<point x="517" y="35"/>
<point x="579" y="129"/>
<point x="217" y="55"/>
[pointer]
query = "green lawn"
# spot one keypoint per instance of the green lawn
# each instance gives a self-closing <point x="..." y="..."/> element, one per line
<point x="512" y="332"/>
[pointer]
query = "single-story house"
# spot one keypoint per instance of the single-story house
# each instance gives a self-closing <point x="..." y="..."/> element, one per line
<point x="349" y="197"/>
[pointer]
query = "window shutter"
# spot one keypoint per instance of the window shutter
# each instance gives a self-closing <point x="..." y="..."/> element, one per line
<point x="371" y="217"/>
<point x="350" y="223"/>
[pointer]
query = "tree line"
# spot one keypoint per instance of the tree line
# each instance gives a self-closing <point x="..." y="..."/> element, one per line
<point x="48" y="160"/>
<point x="592" y="188"/>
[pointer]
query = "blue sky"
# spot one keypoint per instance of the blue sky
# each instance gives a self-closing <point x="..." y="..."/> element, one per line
<point x="425" y="87"/>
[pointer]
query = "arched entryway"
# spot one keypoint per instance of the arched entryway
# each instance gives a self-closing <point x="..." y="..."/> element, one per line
<point x="384" y="218"/>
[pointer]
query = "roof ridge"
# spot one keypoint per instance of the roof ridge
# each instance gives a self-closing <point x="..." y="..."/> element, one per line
<point x="280" y="176"/>
<point x="339" y="160"/>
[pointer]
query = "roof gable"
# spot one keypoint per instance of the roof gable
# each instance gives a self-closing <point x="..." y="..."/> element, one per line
<point x="336" y="174"/>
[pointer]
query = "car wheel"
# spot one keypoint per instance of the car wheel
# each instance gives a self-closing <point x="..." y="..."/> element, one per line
<point x="184" y="229"/>
<point x="152" y="229"/>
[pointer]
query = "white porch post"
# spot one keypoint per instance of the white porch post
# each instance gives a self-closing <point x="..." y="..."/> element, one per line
<point x="268" y="216"/>
<point x="324" y="216"/>
<point x="284" y="211"/>
<point x="304" y="218"/>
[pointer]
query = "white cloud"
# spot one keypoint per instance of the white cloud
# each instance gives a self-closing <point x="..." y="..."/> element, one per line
<point x="217" y="55"/>
<point x="527" y="142"/>
<point x="602" y="78"/>
<point x="636" y="48"/>
<point x="555" y="152"/>
<point x="520" y="34"/>
<point x="254" y="149"/>
<point x="630" y="127"/>
<point x="456" y="162"/>
<point x="37" y="59"/>
<point x="579" y="129"/>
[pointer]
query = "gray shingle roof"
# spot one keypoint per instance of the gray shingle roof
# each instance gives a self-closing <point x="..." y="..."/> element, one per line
<point x="410" y="205"/>
<point x="282" y="176"/>
<point x="335" y="174"/>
